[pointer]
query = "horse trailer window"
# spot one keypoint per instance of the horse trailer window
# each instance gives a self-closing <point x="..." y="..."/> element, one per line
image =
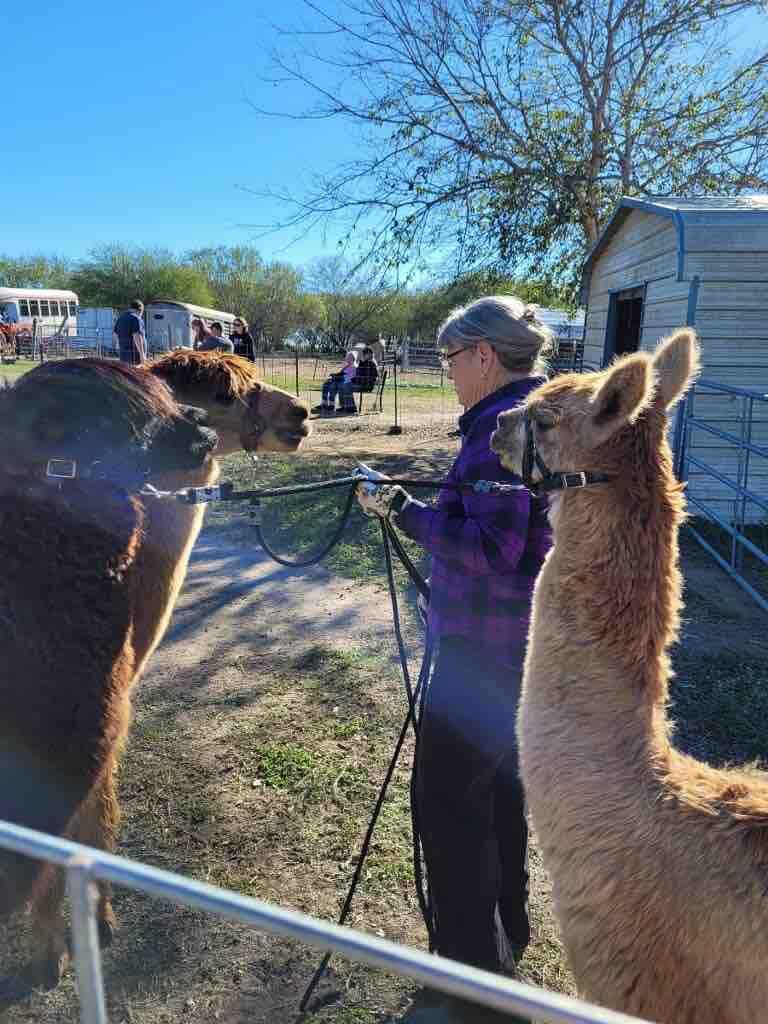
<point x="34" y="307"/>
<point x="44" y="308"/>
<point x="54" y="307"/>
<point x="23" y="307"/>
<point x="73" y="309"/>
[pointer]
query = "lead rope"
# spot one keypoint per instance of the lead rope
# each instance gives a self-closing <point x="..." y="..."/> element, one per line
<point x="413" y="720"/>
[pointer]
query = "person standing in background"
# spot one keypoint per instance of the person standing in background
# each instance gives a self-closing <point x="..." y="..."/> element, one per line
<point x="129" y="331"/>
<point x="214" y="340"/>
<point x="242" y="340"/>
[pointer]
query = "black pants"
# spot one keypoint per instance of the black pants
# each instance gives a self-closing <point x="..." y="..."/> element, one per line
<point x="470" y="805"/>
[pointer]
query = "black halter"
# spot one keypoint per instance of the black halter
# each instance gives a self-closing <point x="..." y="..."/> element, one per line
<point x="129" y="466"/>
<point x="550" y="480"/>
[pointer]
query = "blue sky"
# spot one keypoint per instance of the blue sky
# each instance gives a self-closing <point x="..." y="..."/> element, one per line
<point x="131" y="123"/>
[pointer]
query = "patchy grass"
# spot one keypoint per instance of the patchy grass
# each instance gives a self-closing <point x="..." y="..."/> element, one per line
<point x="720" y="706"/>
<point x="12" y="371"/>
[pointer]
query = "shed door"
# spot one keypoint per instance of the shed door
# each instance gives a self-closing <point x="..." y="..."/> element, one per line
<point x="625" y="323"/>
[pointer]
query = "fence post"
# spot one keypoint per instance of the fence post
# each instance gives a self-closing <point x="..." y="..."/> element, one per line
<point x="679" y="437"/>
<point x="742" y="479"/>
<point x="395" y="428"/>
<point x="405" y="349"/>
<point x="83" y="898"/>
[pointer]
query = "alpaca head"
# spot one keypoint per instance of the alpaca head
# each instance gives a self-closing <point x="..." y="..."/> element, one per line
<point x="117" y="423"/>
<point x="586" y="422"/>
<point x="245" y="412"/>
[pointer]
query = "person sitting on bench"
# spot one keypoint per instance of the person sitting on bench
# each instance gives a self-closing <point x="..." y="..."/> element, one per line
<point x="336" y="383"/>
<point x="366" y="376"/>
<point x="364" y="380"/>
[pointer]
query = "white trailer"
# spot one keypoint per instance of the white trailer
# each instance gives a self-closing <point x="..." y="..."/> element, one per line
<point x="169" y="323"/>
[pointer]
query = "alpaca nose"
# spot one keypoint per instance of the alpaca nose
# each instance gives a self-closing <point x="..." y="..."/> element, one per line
<point x="194" y="414"/>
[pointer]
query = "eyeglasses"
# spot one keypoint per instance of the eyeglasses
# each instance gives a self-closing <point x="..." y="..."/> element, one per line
<point x="446" y="357"/>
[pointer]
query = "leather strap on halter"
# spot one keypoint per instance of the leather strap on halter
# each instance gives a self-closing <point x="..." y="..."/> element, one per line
<point x="552" y="480"/>
<point x="127" y="467"/>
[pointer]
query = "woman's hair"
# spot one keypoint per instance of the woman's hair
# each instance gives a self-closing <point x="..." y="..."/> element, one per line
<point x="509" y="326"/>
<point x="243" y="321"/>
<point x="353" y="353"/>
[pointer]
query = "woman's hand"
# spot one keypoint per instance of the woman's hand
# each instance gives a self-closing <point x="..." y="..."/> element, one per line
<point x="377" y="497"/>
<point x="381" y="499"/>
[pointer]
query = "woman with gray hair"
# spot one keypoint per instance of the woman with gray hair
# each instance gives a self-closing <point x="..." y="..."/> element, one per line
<point x="486" y="550"/>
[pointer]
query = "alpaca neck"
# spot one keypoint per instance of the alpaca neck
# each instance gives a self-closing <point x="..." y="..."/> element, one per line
<point x="614" y="589"/>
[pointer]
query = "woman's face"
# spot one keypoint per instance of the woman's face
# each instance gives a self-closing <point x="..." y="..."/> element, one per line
<point x="349" y="359"/>
<point x="463" y="368"/>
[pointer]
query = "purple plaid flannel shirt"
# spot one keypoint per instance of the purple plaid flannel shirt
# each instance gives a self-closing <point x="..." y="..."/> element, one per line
<point x="487" y="549"/>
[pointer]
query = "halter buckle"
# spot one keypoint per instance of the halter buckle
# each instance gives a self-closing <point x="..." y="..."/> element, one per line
<point x="581" y="480"/>
<point x="61" y="469"/>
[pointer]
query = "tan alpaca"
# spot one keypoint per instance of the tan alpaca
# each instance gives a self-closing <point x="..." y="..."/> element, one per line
<point x="659" y="863"/>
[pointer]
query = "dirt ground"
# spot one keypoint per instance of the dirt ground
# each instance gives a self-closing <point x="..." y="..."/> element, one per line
<point x="262" y="732"/>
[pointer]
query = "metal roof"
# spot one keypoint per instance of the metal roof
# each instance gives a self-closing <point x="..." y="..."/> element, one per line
<point x="37" y="293"/>
<point x="682" y="210"/>
<point x="713" y="204"/>
<point x="203" y="311"/>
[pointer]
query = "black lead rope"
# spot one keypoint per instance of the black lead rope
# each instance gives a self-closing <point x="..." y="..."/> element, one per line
<point x="303" y="563"/>
<point x="412" y="720"/>
<point x="227" y="492"/>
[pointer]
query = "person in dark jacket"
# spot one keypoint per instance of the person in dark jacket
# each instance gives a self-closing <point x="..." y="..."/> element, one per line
<point x="242" y="340"/>
<point x="366" y="375"/>
<point x="129" y="330"/>
<point x="487" y="550"/>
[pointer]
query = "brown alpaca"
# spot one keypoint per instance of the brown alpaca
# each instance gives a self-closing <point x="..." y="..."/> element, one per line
<point x="659" y="863"/>
<point x="244" y="412"/>
<point x="246" y="415"/>
<point x="91" y="571"/>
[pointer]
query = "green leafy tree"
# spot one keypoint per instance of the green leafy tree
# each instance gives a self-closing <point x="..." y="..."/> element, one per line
<point x="269" y="295"/>
<point x="113" y="275"/>
<point x="502" y="132"/>
<point x="357" y="299"/>
<point x="234" y="275"/>
<point x="34" y="272"/>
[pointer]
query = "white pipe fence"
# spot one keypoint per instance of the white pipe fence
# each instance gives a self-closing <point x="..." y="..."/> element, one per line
<point x="84" y="866"/>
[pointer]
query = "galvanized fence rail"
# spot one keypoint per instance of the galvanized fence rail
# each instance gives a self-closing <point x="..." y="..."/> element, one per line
<point x="84" y="866"/>
<point x="739" y="478"/>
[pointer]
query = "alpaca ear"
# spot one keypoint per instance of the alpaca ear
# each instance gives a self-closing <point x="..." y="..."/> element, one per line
<point x="626" y="390"/>
<point x="676" y="362"/>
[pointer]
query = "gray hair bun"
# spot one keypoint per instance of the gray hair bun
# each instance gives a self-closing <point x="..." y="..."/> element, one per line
<point x="509" y="325"/>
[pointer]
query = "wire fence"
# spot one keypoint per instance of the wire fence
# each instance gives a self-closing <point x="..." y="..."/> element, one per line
<point x="721" y="451"/>
<point x="414" y="398"/>
<point x="84" y="866"/>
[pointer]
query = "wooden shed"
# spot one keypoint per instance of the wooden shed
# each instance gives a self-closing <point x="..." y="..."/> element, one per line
<point x="661" y="263"/>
